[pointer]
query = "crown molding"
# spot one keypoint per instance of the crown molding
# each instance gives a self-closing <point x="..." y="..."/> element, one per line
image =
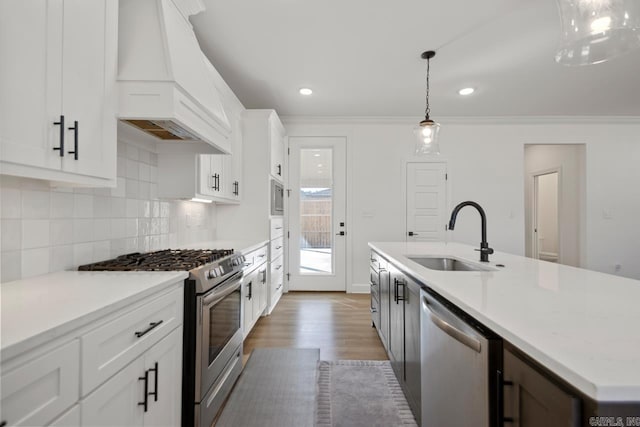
<point x="493" y="120"/>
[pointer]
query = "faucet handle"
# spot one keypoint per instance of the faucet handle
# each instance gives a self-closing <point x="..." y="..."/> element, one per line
<point x="487" y="251"/>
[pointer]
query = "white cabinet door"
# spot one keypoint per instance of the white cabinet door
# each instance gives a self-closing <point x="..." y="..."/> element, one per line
<point x="30" y="78"/>
<point x="205" y="175"/>
<point x="262" y="295"/>
<point x="71" y="418"/>
<point x="117" y="402"/>
<point x="40" y="390"/>
<point x="58" y="69"/>
<point x="88" y="82"/>
<point x="277" y="152"/>
<point x="217" y="171"/>
<point x="164" y="364"/>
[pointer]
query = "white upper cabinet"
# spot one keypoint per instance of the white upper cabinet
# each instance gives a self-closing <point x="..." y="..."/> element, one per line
<point x="277" y="135"/>
<point x="57" y="82"/>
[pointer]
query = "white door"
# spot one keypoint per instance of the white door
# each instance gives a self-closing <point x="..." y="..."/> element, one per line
<point x="545" y="217"/>
<point x="317" y="211"/>
<point x="426" y="201"/>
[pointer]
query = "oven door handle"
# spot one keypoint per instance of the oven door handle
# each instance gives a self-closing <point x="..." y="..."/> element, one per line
<point x="220" y="292"/>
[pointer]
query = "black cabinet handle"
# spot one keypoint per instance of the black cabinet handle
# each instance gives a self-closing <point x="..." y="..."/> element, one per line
<point x="152" y="325"/>
<point x="236" y="188"/>
<point x="62" y="130"/>
<point x="397" y="298"/>
<point x="279" y="170"/>
<point x="3" y="424"/>
<point x="411" y="233"/>
<point x="250" y="286"/>
<point x="155" y="392"/>
<point x="146" y="390"/>
<point x="264" y="276"/>
<point x="500" y="383"/>
<point x="74" y="128"/>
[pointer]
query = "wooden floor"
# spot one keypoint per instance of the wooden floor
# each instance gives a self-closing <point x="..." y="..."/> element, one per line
<point x="337" y="323"/>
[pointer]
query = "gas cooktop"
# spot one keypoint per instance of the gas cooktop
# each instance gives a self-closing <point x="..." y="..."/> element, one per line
<point x="165" y="260"/>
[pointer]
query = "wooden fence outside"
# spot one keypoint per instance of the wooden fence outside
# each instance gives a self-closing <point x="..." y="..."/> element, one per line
<point x="315" y="223"/>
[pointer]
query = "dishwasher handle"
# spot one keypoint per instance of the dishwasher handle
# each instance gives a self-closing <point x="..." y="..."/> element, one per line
<point x="449" y="329"/>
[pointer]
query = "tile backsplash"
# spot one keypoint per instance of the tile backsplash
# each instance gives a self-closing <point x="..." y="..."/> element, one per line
<point x="47" y="229"/>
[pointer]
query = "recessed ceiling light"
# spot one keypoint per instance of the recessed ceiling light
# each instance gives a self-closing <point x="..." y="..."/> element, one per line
<point x="466" y="91"/>
<point x="316" y="155"/>
<point x="319" y="165"/>
<point x="306" y="91"/>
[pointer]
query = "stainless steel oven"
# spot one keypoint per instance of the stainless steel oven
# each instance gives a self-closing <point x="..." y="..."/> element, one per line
<point x="218" y="332"/>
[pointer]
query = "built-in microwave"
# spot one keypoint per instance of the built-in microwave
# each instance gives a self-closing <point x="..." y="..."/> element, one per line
<point x="277" y="198"/>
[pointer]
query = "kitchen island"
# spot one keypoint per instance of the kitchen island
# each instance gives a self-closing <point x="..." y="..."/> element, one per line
<point x="576" y="327"/>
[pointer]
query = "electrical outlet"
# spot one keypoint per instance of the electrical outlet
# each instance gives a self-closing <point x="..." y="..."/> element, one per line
<point x="617" y="268"/>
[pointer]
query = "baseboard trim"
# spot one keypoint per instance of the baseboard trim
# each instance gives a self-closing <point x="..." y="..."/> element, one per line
<point x="358" y="288"/>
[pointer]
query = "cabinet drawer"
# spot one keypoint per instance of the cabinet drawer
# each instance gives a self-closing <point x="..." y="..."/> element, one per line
<point x="277" y="281"/>
<point x="35" y="393"/>
<point x="277" y="228"/>
<point x="374" y="278"/>
<point x="277" y="267"/>
<point x="376" y="262"/>
<point x="255" y="258"/>
<point x="115" y="344"/>
<point x="277" y="247"/>
<point x="70" y="418"/>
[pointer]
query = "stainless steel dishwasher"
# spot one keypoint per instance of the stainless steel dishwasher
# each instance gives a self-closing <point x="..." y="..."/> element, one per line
<point x="461" y="362"/>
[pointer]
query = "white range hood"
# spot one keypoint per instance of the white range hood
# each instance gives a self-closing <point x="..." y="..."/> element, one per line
<point x="166" y="86"/>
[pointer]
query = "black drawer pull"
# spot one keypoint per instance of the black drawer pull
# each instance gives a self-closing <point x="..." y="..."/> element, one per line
<point x="152" y="325"/>
<point x="146" y="390"/>
<point x="278" y="247"/>
<point x="74" y="128"/>
<point x="155" y="392"/>
<point x="62" y="130"/>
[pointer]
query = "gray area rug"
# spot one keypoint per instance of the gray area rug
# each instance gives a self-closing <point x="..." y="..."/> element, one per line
<point x="277" y="388"/>
<point x="353" y="393"/>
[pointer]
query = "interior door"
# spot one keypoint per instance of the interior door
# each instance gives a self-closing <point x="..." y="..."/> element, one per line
<point x="426" y="201"/>
<point x="545" y="217"/>
<point x="317" y="210"/>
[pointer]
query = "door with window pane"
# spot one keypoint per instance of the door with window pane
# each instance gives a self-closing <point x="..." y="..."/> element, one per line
<point x="317" y="208"/>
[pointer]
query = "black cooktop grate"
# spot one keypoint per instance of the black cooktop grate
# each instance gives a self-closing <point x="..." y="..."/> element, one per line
<point x="165" y="260"/>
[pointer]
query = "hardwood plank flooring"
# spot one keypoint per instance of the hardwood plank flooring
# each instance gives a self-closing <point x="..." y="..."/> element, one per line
<point x="337" y="323"/>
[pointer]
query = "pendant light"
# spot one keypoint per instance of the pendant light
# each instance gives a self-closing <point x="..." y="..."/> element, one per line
<point x="426" y="132"/>
<point x="595" y="31"/>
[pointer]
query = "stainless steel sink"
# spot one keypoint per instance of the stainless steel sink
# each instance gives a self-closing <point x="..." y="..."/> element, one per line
<point x="449" y="264"/>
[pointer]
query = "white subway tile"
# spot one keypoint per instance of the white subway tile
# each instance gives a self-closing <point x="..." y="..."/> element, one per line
<point x="132" y="208"/>
<point x="11" y="235"/>
<point x="133" y="169"/>
<point x="164" y="241"/>
<point x="35" y="262"/>
<point x="121" y="188"/>
<point x="36" y="233"/>
<point x="118" y="247"/>
<point x="82" y="230"/>
<point x="154" y="243"/>
<point x="118" y="228"/>
<point x="101" y="229"/>
<point x="101" y="207"/>
<point x="132" y="189"/>
<point x="145" y="156"/>
<point x="144" y="244"/>
<point x="61" y="258"/>
<point x="145" y="209"/>
<point x="143" y="190"/>
<point x="132" y="245"/>
<point x="62" y="205"/>
<point x="153" y="191"/>
<point x="11" y="266"/>
<point x="155" y="226"/>
<point x="153" y="174"/>
<point x="122" y="167"/>
<point x="144" y="172"/>
<point x="164" y="225"/>
<point x="101" y="251"/>
<point x="10" y="202"/>
<point x="155" y="213"/>
<point x="36" y="204"/>
<point x="103" y="192"/>
<point x="82" y="254"/>
<point x="153" y="159"/>
<point x="132" y="152"/>
<point x="118" y="208"/>
<point x="61" y="231"/>
<point x="83" y="206"/>
<point x="143" y="227"/>
<point x="131" y="227"/>
<point x="164" y="209"/>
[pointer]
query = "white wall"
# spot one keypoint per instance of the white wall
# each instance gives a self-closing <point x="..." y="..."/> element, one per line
<point x="548" y="214"/>
<point x="48" y="229"/>
<point x="486" y="164"/>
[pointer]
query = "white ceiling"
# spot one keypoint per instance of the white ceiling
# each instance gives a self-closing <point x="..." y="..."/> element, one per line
<point x="362" y="58"/>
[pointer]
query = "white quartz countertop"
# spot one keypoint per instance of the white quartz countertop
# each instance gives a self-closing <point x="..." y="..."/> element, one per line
<point x="244" y="246"/>
<point x="41" y="308"/>
<point x="582" y="325"/>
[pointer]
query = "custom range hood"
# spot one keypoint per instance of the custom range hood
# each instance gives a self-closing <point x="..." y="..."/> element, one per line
<point x="166" y="84"/>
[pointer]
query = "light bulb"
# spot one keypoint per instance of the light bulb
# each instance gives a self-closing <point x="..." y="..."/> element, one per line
<point x="427" y="140"/>
<point x="426" y="131"/>
<point x="601" y="25"/>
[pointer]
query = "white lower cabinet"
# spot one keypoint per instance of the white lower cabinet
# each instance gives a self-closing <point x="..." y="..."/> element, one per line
<point x="254" y="288"/>
<point x="35" y="393"/>
<point x="145" y="393"/>
<point x="71" y="418"/>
